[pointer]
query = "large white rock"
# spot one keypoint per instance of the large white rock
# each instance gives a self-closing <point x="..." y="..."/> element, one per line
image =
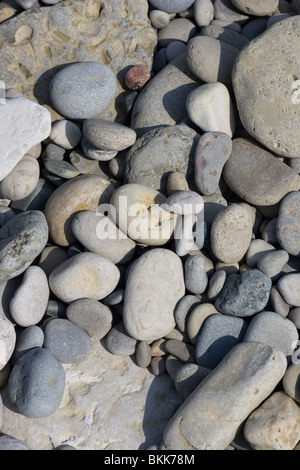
<point x="154" y="286"/>
<point x="23" y="124"/>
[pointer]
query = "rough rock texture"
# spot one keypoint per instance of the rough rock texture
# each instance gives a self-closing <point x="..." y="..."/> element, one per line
<point x="101" y="391"/>
<point x="36" y="43"/>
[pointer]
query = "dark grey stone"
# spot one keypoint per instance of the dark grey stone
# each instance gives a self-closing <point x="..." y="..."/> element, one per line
<point x="83" y="90"/>
<point x="119" y="342"/>
<point x="218" y="335"/>
<point x="66" y="341"/>
<point x="22" y="239"/>
<point x="36" y="384"/>
<point x="244" y="294"/>
<point x="11" y="443"/>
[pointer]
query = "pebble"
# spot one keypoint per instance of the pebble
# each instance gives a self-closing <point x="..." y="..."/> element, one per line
<point x="274" y="425"/>
<point x="255" y="27"/>
<point x="62" y="169"/>
<point x="140" y="214"/>
<point x="83" y="90"/>
<point x="171" y="6"/>
<point x="36" y="384"/>
<point x="247" y="376"/>
<point x="244" y="294"/>
<point x="99" y="234"/>
<point x="289" y="288"/>
<point x="86" y="192"/>
<point x="156" y="278"/>
<point x="219" y="334"/>
<point x="143" y="354"/>
<point x="182" y="351"/>
<point x="22" y="180"/>
<point x="176" y="182"/>
<point x="29" y="338"/>
<point x="203" y="12"/>
<point x="294" y="316"/>
<point x="256" y="250"/>
<point x="159" y="18"/>
<point x="91" y="316"/>
<point x="271" y="264"/>
<point x="210" y="108"/>
<point x="211" y="153"/>
<point x="196" y="319"/>
<point x="179" y="29"/>
<point x="95" y="153"/>
<point x="137" y="77"/>
<point x="183" y="309"/>
<point x="65" y="133"/>
<point x="188" y="377"/>
<point x="216" y="284"/>
<point x="256" y="8"/>
<point x="107" y="135"/>
<point x="158" y="366"/>
<point x="195" y="274"/>
<point x="85" y="275"/>
<point x="119" y="342"/>
<point x="51" y="257"/>
<point x="290" y="382"/>
<point x="11" y="443"/>
<point x="22" y="239"/>
<point x="231" y="233"/>
<point x="26" y="124"/>
<point x="7" y="340"/>
<point x="29" y="303"/>
<point x="268" y="123"/>
<point x="270" y="328"/>
<point x="287" y="222"/>
<point x="84" y="165"/>
<point x="211" y="60"/>
<point x="226" y="35"/>
<point x="226" y="11"/>
<point x="175" y="49"/>
<point x="66" y="341"/>
<point x="278" y="304"/>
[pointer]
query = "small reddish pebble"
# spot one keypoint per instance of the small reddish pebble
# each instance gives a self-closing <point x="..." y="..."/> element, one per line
<point x="137" y="77"/>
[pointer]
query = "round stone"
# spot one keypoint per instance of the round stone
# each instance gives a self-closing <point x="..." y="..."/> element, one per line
<point x="244" y="294"/>
<point x="84" y="192"/>
<point x="256" y="7"/>
<point x="65" y="133"/>
<point x="231" y="233"/>
<point x="22" y="239"/>
<point x="85" y="275"/>
<point x="36" y="384"/>
<point x="66" y="341"/>
<point x="137" y="77"/>
<point x="256" y="176"/>
<point x="266" y="86"/>
<point x="108" y="135"/>
<point x="22" y="180"/>
<point x="171" y="6"/>
<point x="30" y="300"/>
<point x="154" y="286"/>
<point x="83" y="90"/>
<point x="92" y="316"/>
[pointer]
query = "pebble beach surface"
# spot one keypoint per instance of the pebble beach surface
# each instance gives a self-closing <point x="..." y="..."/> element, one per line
<point x="149" y="225"/>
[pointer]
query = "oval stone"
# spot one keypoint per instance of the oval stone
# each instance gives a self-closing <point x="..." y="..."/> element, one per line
<point x="256" y="176"/>
<point x="289" y="287"/>
<point x="266" y="86"/>
<point x="36" y="384"/>
<point x="171" y="6"/>
<point x="287" y="224"/>
<point x="84" y="192"/>
<point x="92" y="316"/>
<point x="22" y="239"/>
<point x="154" y="286"/>
<point x="7" y="340"/>
<point x="86" y="275"/>
<point x="108" y="135"/>
<point x="83" y="90"/>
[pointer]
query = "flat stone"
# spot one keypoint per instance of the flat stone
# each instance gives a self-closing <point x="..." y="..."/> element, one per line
<point x="270" y="328"/>
<point x="211" y="153"/>
<point x="156" y="275"/>
<point x="238" y="385"/>
<point x="86" y="192"/>
<point x="218" y="335"/>
<point x="255" y="7"/>
<point x="99" y="234"/>
<point x="288" y="286"/>
<point x="211" y="60"/>
<point x="36" y="384"/>
<point x="66" y="341"/>
<point x="258" y="86"/>
<point x="108" y="135"/>
<point x="287" y="223"/>
<point x="85" y="275"/>
<point x="256" y="176"/>
<point x="158" y="153"/>
<point x="140" y="214"/>
<point x="244" y="294"/>
<point x="62" y="169"/>
<point x="22" y="180"/>
<point x="7" y="340"/>
<point x="172" y="6"/>
<point x="163" y="101"/>
<point x="210" y="108"/>
<point x="29" y="303"/>
<point x="22" y="239"/>
<point x="92" y="316"/>
<point x="24" y="125"/>
<point x="231" y="233"/>
<point x="275" y="425"/>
